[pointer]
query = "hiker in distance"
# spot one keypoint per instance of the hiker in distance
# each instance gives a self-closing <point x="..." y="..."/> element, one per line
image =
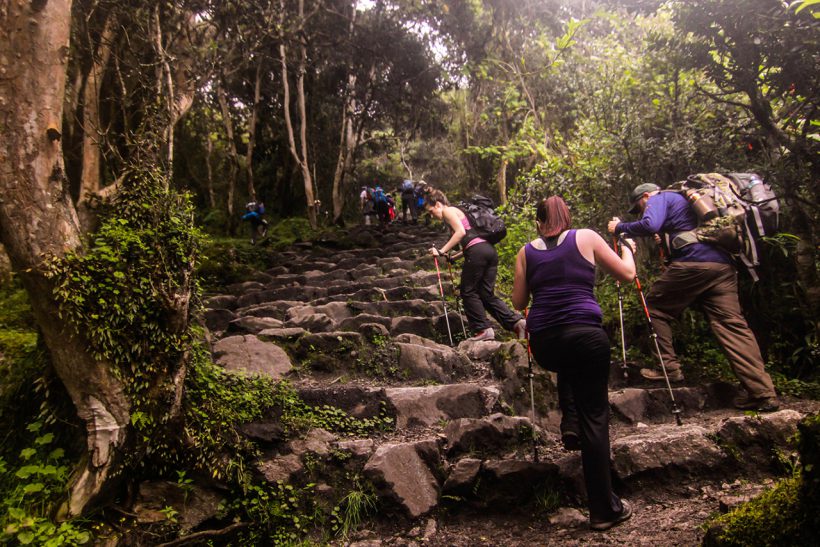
<point x="478" y="274"/>
<point x="702" y="273"/>
<point x="557" y="269"/>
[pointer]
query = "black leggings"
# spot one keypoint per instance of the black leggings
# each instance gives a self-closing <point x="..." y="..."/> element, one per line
<point x="580" y="356"/>
<point x="478" y="289"/>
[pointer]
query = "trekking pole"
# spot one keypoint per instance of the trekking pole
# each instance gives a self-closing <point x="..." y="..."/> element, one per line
<point x="532" y="394"/>
<point x="458" y="297"/>
<point x="621" y="317"/>
<point x="443" y="301"/>
<point x="654" y="335"/>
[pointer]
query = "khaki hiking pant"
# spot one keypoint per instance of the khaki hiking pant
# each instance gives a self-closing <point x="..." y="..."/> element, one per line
<point x="714" y="287"/>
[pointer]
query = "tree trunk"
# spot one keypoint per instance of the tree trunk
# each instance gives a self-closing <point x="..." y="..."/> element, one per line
<point x="300" y="156"/>
<point x="502" y="182"/>
<point x="234" y="155"/>
<point x="38" y="222"/>
<point x="257" y="96"/>
<point x="92" y="128"/>
<point x="346" y="134"/>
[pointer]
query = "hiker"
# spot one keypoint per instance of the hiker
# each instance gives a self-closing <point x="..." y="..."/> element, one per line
<point x="391" y="208"/>
<point x="566" y="336"/>
<point x="366" y="203"/>
<point x="381" y="205"/>
<point x="702" y="273"/>
<point x="478" y="275"/>
<point x="420" y="190"/>
<point x="253" y="214"/>
<point x="408" y="201"/>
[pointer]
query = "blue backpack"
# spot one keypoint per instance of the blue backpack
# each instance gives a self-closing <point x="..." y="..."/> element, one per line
<point x="378" y="196"/>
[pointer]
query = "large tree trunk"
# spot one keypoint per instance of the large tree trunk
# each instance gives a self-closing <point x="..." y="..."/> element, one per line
<point x="347" y="134"/>
<point x="234" y="155"/>
<point x="257" y="97"/>
<point x="299" y="153"/>
<point x="38" y="222"/>
<point x="92" y="128"/>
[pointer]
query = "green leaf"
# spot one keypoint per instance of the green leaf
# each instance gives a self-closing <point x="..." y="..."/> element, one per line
<point x="25" y="537"/>
<point x="44" y="439"/>
<point x="27" y="453"/>
<point x="33" y="487"/>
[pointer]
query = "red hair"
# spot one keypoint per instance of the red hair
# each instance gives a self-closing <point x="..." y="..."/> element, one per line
<point x="554" y="216"/>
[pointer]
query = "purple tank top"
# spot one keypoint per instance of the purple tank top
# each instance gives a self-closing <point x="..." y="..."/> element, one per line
<point x="561" y="282"/>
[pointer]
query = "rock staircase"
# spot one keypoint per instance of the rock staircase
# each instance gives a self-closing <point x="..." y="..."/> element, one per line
<point x="364" y="330"/>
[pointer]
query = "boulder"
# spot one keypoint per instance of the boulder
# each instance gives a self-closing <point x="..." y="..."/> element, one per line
<point x="461" y="480"/>
<point x="420" y="326"/>
<point x="316" y="441"/>
<point x="277" y="468"/>
<point x="753" y="440"/>
<point x="353" y="323"/>
<point x="221" y="301"/>
<point x="514" y="481"/>
<point x="487" y="435"/>
<point x="568" y="517"/>
<point x="252" y="325"/>
<point x="217" y="320"/>
<point x="402" y="475"/>
<point x="690" y="400"/>
<point x="431" y="363"/>
<point x="359" y="402"/>
<point x="245" y="287"/>
<point x="479" y="351"/>
<point x="281" y="335"/>
<point x="629" y="404"/>
<point x="686" y="448"/>
<point x="424" y="406"/>
<point x="263" y="432"/>
<point x="248" y="354"/>
<point x="314" y="322"/>
<point x="194" y="504"/>
<point x="269" y="309"/>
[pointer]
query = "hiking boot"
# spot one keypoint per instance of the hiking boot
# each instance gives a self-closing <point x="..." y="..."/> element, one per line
<point x="571" y="441"/>
<point x="761" y="404"/>
<point x="520" y="329"/>
<point x="486" y="334"/>
<point x="675" y="375"/>
<point x="626" y="513"/>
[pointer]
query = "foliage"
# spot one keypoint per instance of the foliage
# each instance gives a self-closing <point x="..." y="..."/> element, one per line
<point x="785" y="515"/>
<point x="34" y="437"/>
<point x="352" y="509"/>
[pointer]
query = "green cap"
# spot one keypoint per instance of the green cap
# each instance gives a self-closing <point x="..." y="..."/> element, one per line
<point x="638" y="192"/>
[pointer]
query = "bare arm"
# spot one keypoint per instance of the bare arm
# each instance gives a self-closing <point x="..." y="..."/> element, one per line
<point x="450" y="216"/>
<point x="621" y="268"/>
<point x="520" y="292"/>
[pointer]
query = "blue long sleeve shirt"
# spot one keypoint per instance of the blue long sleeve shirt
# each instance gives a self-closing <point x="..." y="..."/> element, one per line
<point x="670" y="213"/>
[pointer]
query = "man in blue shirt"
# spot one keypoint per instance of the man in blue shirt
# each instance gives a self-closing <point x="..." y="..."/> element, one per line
<point x="698" y="272"/>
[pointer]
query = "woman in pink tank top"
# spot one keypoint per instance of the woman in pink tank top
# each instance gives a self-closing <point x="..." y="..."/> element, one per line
<point x="478" y="274"/>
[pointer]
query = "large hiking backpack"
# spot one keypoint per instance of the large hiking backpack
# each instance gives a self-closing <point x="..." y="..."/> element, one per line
<point x="407" y="187"/>
<point x="734" y="212"/>
<point x="379" y="196"/>
<point x="480" y="212"/>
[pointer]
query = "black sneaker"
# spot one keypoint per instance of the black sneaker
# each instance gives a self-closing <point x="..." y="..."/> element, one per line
<point x="761" y="404"/>
<point x="626" y="514"/>
<point x="675" y="375"/>
<point x="571" y="441"/>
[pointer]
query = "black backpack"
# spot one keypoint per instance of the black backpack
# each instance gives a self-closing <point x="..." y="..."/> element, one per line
<point x="735" y="211"/>
<point x="481" y="214"/>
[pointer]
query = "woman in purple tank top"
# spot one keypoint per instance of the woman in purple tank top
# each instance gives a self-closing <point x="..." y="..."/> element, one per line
<point x="557" y="270"/>
<point x="478" y="274"/>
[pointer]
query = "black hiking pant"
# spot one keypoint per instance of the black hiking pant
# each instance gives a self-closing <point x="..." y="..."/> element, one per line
<point x="580" y="356"/>
<point x="478" y="289"/>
